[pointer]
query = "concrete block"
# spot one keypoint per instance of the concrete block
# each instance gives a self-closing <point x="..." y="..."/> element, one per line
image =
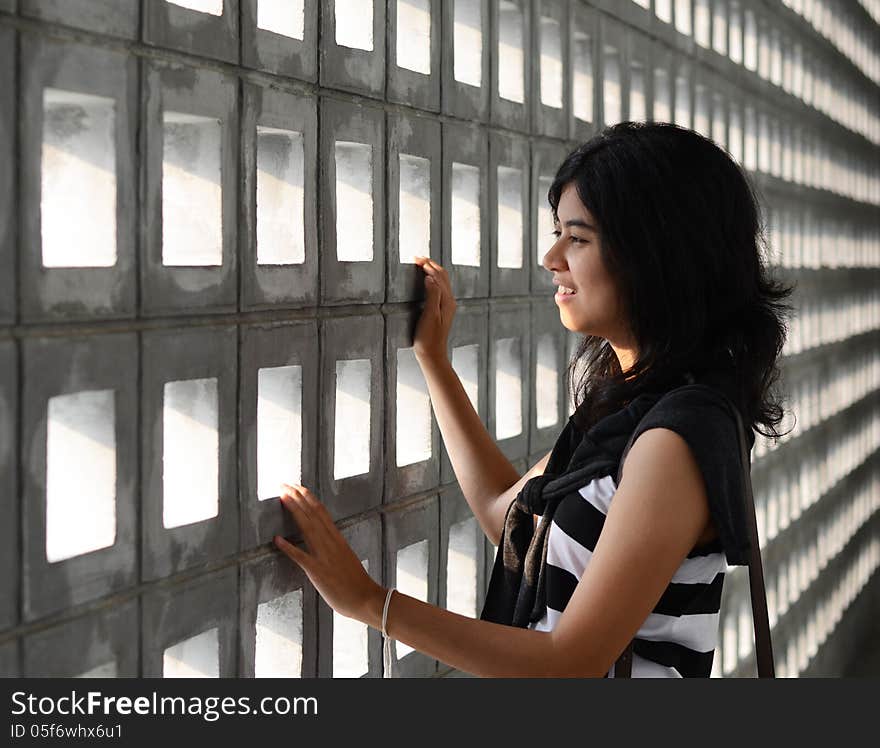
<point x="352" y="154"/>
<point x="412" y="439"/>
<point x="78" y="181"/>
<point x="548" y="362"/>
<point x="509" y="229"/>
<point x="412" y="562"/>
<point x="414" y="195"/>
<point x="190" y="630"/>
<point x="9" y="477"/>
<point x="586" y="85"/>
<point x="469" y="354"/>
<point x="465" y="59"/>
<point x="349" y="648"/>
<point x="79" y="403"/>
<point x="413" y="28"/>
<point x="279" y="266"/>
<point x="114" y="17"/>
<point x="278" y="620"/>
<point x="209" y="33"/>
<point x="551" y="75"/>
<point x="546" y="159"/>
<point x="8" y="290"/>
<point x="9" y="663"/>
<point x="276" y="39"/>
<point x="613" y="71"/>
<point x="462" y="564"/>
<point x="190" y="147"/>
<point x="351" y="464"/>
<point x="278" y="418"/>
<point x="511" y="48"/>
<point x="353" y="46"/>
<point x="100" y="645"/>
<point x="466" y="209"/>
<point x="190" y="508"/>
<point x="509" y="385"/>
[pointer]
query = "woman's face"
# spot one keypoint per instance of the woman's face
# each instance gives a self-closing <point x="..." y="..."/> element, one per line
<point x="594" y="307"/>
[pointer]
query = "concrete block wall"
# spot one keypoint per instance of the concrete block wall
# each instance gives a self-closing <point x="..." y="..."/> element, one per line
<point x="207" y="215"/>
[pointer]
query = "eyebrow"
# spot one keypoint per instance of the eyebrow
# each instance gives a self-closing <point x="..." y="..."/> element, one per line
<point x="579" y="223"/>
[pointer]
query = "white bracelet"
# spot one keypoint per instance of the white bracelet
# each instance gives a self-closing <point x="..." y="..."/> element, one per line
<point x="385" y="611"/>
<point x="386" y="643"/>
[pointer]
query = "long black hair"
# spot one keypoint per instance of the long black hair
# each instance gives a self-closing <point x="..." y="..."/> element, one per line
<point x="681" y="233"/>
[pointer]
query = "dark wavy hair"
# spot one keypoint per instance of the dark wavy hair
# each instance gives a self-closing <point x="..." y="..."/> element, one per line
<point x="682" y="236"/>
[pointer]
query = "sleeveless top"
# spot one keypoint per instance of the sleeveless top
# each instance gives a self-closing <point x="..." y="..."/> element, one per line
<point x="679" y="636"/>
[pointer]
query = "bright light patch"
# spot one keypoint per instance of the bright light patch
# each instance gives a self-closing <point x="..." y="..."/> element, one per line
<point x="278" y="646"/>
<point x="465" y="215"/>
<point x="467" y="42"/>
<point x="414" y="35"/>
<point x="352" y="424"/>
<point x="350" y="654"/>
<point x="192" y="216"/>
<point x="279" y="429"/>
<point x="354" y="24"/>
<point x="551" y="63"/>
<point x="80" y="474"/>
<point x="510" y="218"/>
<point x="283" y="17"/>
<point x="511" y="60"/>
<point x="461" y="568"/>
<point x="354" y="202"/>
<point x="508" y="388"/>
<point x="413" y="411"/>
<point x="190" y="452"/>
<point x="414" y="236"/>
<point x="78" y="180"/>
<point x="412" y="579"/>
<point x="196" y="657"/>
<point x="280" y="197"/>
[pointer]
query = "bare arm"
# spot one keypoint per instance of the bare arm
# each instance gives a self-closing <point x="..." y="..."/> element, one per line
<point x="658" y="514"/>
<point x="488" y="480"/>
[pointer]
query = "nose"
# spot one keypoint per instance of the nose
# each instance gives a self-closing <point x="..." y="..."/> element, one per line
<point x="554" y="258"/>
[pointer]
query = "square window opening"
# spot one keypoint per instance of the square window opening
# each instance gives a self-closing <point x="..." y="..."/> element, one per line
<point x="190" y="452"/>
<point x="279" y="429"/>
<point x="351" y="453"/>
<point x="80" y="474"/>
<point x="78" y="180"/>
<point x="280" y="197"/>
<point x="192" y="213"/>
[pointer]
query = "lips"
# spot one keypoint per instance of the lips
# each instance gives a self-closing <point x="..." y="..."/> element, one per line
<point x="565" y="291"/>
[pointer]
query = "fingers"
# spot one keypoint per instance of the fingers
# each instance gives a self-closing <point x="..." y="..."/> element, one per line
<point x="291" y="551"/>
<point x="311" y="516"/>
<point x="436" y="272"/>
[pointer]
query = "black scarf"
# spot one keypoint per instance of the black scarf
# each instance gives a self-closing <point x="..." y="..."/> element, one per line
<point x="516" y="594"/>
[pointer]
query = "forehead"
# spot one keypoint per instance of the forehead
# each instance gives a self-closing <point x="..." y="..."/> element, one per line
<point x="570" y="206"/>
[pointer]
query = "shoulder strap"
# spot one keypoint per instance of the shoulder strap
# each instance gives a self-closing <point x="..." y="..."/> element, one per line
<point x="763" y="642"/>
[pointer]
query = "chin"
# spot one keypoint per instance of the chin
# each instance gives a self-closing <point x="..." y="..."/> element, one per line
<point x="573" y="324"/>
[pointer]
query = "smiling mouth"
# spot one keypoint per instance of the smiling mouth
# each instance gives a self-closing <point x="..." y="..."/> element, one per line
<point x="565" y="291"/>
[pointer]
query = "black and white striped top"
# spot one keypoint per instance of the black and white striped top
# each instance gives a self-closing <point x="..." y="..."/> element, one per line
<point x="679" y="636"/>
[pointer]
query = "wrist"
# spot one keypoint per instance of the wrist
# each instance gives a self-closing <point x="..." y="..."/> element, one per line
<point x="373" y="606"/>
<point x="432" y="359"/>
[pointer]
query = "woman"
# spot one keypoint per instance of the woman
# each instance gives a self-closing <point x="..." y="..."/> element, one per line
<point x="658" y="265"/>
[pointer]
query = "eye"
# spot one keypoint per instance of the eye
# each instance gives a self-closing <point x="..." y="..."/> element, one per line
<point x="578" y="240"/>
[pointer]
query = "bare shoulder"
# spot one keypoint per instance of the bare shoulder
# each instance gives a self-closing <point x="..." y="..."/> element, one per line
<point x="661" y="468"/>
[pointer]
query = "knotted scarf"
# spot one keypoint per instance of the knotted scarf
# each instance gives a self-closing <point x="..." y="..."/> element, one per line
<point x="516" y="595"/>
